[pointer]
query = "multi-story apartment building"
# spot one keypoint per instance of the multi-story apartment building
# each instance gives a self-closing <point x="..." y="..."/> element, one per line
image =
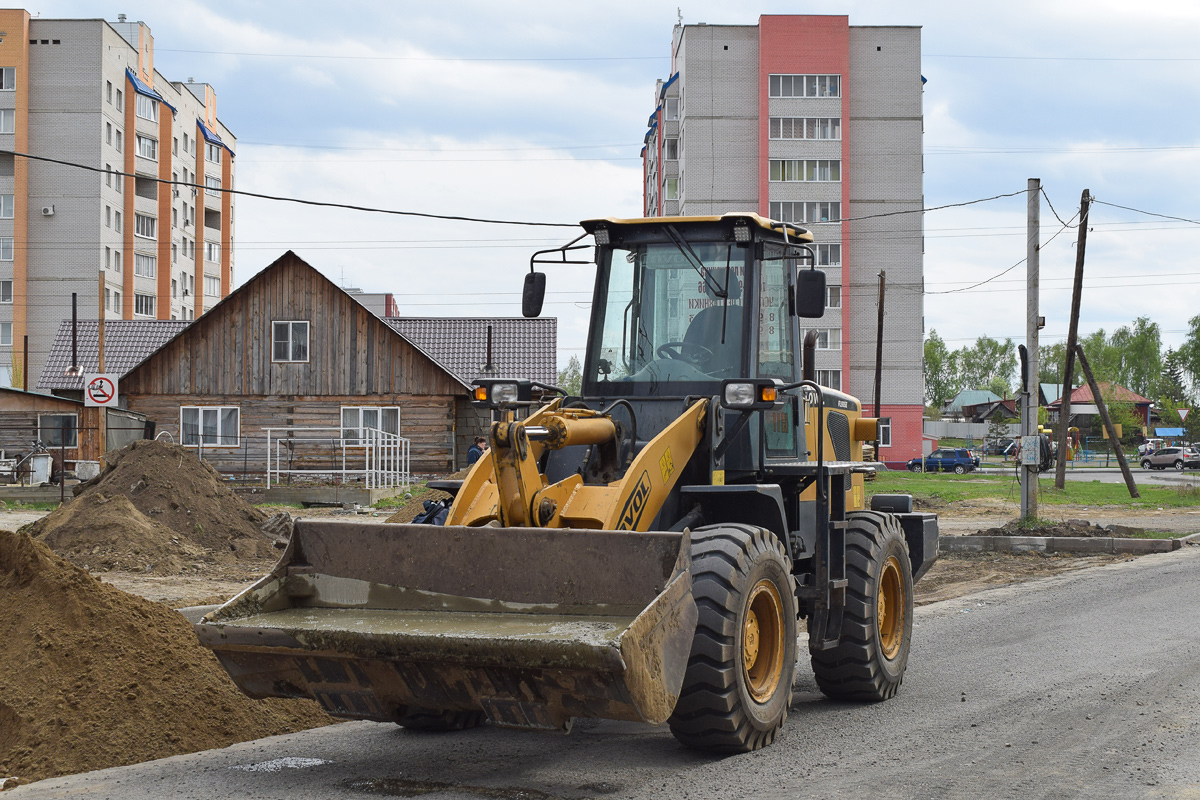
<point x="85" y="92"/>
<point x="810" y="120"/>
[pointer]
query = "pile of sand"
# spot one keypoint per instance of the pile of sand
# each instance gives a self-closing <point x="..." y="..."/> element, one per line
<point x="94" y="677"/>
<point x="155" y="508"/>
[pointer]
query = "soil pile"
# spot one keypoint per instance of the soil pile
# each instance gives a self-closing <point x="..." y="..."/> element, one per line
<point x="94" y="677"/>
<point x="417" y="495"/>
<point x="1070" y="527"/>
<point x="155" y="508"/>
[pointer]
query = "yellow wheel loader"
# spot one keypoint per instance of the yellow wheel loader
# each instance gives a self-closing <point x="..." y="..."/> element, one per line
<point x="641" y="552"/>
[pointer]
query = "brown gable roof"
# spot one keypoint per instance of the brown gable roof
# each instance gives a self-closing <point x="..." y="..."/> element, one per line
<point x="1112" y="393"/>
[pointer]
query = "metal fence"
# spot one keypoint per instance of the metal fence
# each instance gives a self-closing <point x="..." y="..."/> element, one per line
<point x="378" y="459"/>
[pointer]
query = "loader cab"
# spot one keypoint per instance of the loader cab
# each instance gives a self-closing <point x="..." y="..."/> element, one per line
<point x="683" y="303"/>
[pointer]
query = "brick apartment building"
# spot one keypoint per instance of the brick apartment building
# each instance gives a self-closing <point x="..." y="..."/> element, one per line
<point x="810" y="120"/>
<point x="86" y="91"/>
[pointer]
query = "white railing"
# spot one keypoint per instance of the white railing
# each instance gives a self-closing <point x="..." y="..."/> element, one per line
<point x="379" y="459"/>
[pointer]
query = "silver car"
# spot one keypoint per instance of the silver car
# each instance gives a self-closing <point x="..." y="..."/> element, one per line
<point x="1178" y="458"/>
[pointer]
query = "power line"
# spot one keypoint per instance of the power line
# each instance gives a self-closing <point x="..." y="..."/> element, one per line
<point x="1005" y="272"/>
<point x="416" y="58"/>
<point x="1148" y="213"/>
<point x="1052" y="58"/>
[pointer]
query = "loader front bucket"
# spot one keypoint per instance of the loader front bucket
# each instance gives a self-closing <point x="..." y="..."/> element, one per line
<point x="533" y="626"/>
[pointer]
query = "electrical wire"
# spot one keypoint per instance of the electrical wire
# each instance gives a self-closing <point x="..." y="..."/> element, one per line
<point x="1010" y="269"/>
<point x="414" y="58"/>
<point x="1147" y="213"/>
<point x="1042" y="189"/>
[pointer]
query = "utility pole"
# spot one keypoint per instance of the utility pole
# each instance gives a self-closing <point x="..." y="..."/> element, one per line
<point x="1108" y="424"/>
<point x="1029" y="398"/>
<point x="102" y="412"/>
<point x="879" y="361"/>
<point x="1064" y="414"/>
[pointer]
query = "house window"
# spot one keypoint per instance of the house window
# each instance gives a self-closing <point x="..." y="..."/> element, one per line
<point x="6" y="248"/>
<point x="672" y="191"/>
<point x="5" y="334"/>
<point x="6" y="206"/>
<point x="212" y="182"/>
<point x="8" y="79"/>
<point x="119" y="141"/>
<point x="212" y="251"/>
<point x="174" y="288"/>
<point x="672" y="108"/>
<point x="830" y="378"/>
<point x="8" y="120"/>
<point x="108" y="92"/>
<point x="120" y="100"/>
<point x="146" y="108"/>
<point x="829" y="255"/>
<point x="671" y="149"/>
<point x="116" y="306"/>
<point x="827" y="338"/>
<point x="143" y="304"/>
<point x="108" y="175"/>
<point x="210" y="426"/>
<point x="290" y="340"/>
<point x="806" y="212"/>
<point x="144" y="266"/>
<point x="174" y="252"/>
<point x="58" y="430"/>
<point x="117" y="221"/>
<point x="212" y="286"/>
<point x="212" y="153"/>
<point x="5" y="291"/>
<point x="806" y="128"/>
<point x="885" y="431"/>
<point x="805" y="86"/>
<point x="833" y="297"/>
<point x="356" y="419"/>
<point x="117" y="263"/>
<point x="147" y="147"/>
<point x="795" y="170"/>
<point x="145" y="226"/>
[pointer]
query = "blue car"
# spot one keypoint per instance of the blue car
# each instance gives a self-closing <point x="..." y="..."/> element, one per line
<point x="946" y="459"/>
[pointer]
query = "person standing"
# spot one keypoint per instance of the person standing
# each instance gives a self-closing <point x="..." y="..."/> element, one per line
<point x="476" y="450"/>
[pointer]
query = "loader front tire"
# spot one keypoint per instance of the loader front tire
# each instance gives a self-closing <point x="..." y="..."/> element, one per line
<point x="428" y="720"/>
<point x="869" y="662"/>
<point x="738" y="683"/>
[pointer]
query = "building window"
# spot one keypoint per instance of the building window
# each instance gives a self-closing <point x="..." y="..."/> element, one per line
<point x="120" y="100"/>
<point x="212" y="182"/>
<point x="827" y="338"/>
<point x="117" y="221"/>
<point x="290" y="340"/>
<point x="58" y="430"/>
<point x="210" y="426"/>
<point x="108" y="92"/>
<point x="144" y="266"/>
<point x="671" y="107"/>
<point x="174" y="252"/>
<point x="212" y="286"/>
<point x="830" y="378"/>
<point x="6" y="206"/>
<point x="147" y="147"/>
<point x="806" y="212"/>
<point x="833" y="297"/>
<point x="119" y="140"/>
<point x="117" y="261"/>
<point x="5" y="334"/>
<point x="146" y="107"/>
<point x="805" y="86"/>
<point x="671" y="149"/>
<point x="828" y="255"/>
<point x="143" y="304"/>
<point x="212" y="251"/>
<point x="116" y="306"/>
<point x="357" y="419"/>
<point x="6" y="248"/>
<point x="672" y="191"/>
<point x="8" y="79"/>
<point x="108" y="129"/>
<point x="8" y="120"/>
<point x="212" y="153"/>
<point x="806" y="128"/>
<point x="885" y="431"/>
<point x="792" y="170"/>
<point x="5" y="291"/>
<point x="145" y="226"/>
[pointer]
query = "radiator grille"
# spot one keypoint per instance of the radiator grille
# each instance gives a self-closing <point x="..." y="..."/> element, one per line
<point x="839" y="433"/>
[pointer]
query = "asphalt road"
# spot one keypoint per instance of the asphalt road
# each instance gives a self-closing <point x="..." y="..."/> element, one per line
<point x="1081" y="685"/>
<point x="1159" y="477"/>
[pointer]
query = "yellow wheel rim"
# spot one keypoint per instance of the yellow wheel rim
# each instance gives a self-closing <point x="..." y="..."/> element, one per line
<point x="891" y="608"/>
<point x="762" y="641"/>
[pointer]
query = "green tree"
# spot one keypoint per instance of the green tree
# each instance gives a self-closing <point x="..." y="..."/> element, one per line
<point x="570" y="378"/>
<point x="1052" y="360"/>
<point x="941" y="372"/>
<point x="988" y="364"/>
<point x="1172" y="387"/>
<point x="1138" y="349"/>
<point x="1189" y="352"/>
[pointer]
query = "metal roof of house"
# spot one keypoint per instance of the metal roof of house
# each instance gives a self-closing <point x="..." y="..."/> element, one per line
<point x="127" y="342"/>
<point x="521" y="348"/>
<point x="972" y="397"/>
<point x="1050" y="391"/>
<point x="1112" y="392"/>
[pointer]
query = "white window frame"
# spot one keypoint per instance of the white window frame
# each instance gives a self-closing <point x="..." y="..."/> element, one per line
<point x="671" y="148"/>
<point x="147" y="146"/>
<point x="145" y="226"/>
<point x="671" y="189"/>
<point x="219" y="439"/>
<point x="826" y="378"/>
<point x="812" y="213"/>
<point x="805" y="170"/>
<point x="119" y="140"/>
<point x="8" y="120"/>
<point x="212" y="182"/>
<point x="212" y="153"/>
<point x="6" y="248"/>
<point x="833" y="297"/>
<point x="352" y="429"/>
<point x="791" y="128"/>
<point x="827" y="338"/>
<point x="8" y="79"/>
<point x="44" y="432"/>
<point x="6" y="206"/>
<point x="146" y="107"/>
<point x="120" y="100"/>
<point x="6" y="334"/>
<point x="829" y="254"/>
<point x="212" y="252"/>
<point x="145" y="265"/>
<point x="290" y="340"/>
<point x="212" y="282"/>
<point x="804" y="85"/>
<point x="6" y="292"/>
<point x="141" y="296"/>
<point x="885" y="432"/>
<point x="671" y="108"/>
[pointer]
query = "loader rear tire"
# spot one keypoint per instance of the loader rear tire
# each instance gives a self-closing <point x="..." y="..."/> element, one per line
<point x="869" y="662"/>
<point x="426" y="720"/>
<point x="738" y="683"/>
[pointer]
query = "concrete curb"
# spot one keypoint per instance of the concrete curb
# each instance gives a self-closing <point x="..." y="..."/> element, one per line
<point x="1059" y="544"/>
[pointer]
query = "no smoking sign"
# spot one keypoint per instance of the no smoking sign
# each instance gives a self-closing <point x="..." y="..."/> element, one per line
<point x="100" y="390"/>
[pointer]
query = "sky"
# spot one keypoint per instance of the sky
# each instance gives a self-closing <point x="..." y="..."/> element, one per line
<point x="535" y="111"/>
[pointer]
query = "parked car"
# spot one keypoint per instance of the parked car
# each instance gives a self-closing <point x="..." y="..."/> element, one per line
<point x="946" y="459"/>
<point x="1179" y="458"/>
<point x="999" y="447"/>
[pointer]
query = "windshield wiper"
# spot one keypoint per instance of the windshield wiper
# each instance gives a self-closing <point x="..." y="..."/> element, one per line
<point x="688" y="253"/>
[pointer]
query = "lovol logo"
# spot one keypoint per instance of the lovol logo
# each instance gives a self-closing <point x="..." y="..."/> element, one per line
<point x="631" y="514"/>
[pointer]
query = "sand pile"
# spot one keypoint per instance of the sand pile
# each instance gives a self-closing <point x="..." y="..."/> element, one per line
<point x="94" y="677"/>
<point x="155" y="508"/>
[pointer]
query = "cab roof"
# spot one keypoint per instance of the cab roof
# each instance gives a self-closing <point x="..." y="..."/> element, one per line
<point x="794" y="232"/>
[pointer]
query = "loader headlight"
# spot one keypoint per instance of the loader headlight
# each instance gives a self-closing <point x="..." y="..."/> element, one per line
<point x="745" y="395"/>
<point x="497" y="393"/>
<point x="504" y="393"/>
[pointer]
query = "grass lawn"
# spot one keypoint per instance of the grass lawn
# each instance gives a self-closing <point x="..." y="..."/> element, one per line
<point x="943" y="488"/>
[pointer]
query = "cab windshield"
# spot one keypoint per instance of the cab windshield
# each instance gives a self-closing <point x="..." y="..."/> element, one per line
<point x="670" y="312"/>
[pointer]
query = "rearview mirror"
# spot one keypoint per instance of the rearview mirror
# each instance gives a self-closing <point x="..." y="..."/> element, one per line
<point x="533" y="294"/>
<point x="810" y="293"/>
